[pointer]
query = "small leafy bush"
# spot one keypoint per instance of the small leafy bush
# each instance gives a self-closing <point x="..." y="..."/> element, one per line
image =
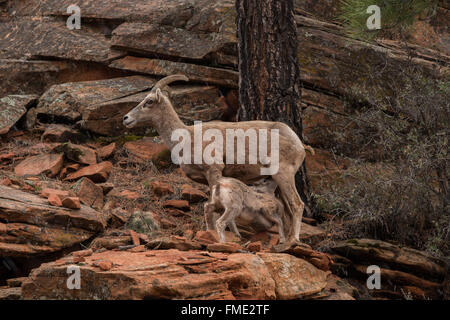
<point x="401" y="194"/>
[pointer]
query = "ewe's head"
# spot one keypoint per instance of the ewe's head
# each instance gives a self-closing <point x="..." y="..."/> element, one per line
<point x="154" y="105"/>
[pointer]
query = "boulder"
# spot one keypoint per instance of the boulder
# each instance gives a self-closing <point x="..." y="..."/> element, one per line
<point x="48" y="164"/>
<point x="174" y="274"/>
<point x="12" y="108"/>
<point x="34" y="227"/>
<point x="68" y="101"/>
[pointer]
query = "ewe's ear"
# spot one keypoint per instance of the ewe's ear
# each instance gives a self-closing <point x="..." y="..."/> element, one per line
<point x="159" y="95"/>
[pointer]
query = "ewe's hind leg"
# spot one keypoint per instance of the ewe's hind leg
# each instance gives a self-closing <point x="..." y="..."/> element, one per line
<point x="208" y="210"/>
<point x="293" y="203"/>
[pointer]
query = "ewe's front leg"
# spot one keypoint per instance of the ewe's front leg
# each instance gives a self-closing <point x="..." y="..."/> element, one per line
<point x="293" y="204"/>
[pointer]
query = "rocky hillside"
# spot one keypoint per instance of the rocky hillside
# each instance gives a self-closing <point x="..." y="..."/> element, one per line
<point x="113" y="193"/>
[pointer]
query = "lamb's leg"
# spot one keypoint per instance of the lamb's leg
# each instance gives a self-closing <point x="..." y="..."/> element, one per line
<point x="208" y="211"/>
<point x="280" y="226"/>
<point x="276" y="219"/>
<point x="293" y="203"/>
<point x="224" y="220"/>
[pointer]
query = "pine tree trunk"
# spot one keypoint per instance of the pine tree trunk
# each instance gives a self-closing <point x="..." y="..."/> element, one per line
<point x="269" y="85"/>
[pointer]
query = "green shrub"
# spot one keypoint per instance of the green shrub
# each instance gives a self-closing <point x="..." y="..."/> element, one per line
<point x="402" y="193"/>
<point x="396" y="15"/>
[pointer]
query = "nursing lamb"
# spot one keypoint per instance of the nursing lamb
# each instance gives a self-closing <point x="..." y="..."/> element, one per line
<point x="254" y="205"/>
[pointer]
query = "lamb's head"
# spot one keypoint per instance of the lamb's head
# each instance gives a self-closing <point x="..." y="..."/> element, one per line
<point x="154" y="105"/>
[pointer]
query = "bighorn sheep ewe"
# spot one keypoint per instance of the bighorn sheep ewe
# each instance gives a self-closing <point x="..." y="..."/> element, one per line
<point x="250" y="204"/>
<point x="157" y="110"/>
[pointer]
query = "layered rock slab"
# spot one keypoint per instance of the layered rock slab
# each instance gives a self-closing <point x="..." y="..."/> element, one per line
<point x="29" y="225"/>
<point x="174" y="274"/>
<point x="12" y="108"/>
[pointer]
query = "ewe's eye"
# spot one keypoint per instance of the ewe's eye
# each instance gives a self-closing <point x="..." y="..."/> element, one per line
<point x="148" y="103"/>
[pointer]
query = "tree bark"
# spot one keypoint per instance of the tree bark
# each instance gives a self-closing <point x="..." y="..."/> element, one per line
<point x="269" y="82"/>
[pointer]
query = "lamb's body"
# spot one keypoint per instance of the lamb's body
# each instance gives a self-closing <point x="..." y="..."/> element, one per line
<point x="250" y="204"/>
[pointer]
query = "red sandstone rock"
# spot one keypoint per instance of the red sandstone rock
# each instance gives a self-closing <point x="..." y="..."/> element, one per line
<point x="106" y="151"/>
<point x="174" y="274"/>
<point x="47" y="192"/>
<point x="105" y="265"/>
<point x="134" y="237"/>
<point x="254" y="246"/>
<point x="77" y="153"/>
<point x="144" y="149"/>
<point x="62" y="133"/>
<point x="54" y="200"/>
<point x="83" y="253"/>
<point x="97" y="172"/>
<point x="177" y="204"/>
<point x="227" y="247"/>
<point x="5" y="182"/>
<point x="89" y="193"/>
<point x="49" y="164"/>
<point x="192" y="195"/>
<point x="36" y="228"/>
<point x="71" y="203"/>
<point x="161" y="188"/>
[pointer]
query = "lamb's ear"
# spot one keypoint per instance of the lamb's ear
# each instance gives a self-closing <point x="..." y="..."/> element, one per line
<point x="158" y="95"/>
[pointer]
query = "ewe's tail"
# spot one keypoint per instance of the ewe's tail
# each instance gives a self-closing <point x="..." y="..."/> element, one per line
<point x="310" y="149"/>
